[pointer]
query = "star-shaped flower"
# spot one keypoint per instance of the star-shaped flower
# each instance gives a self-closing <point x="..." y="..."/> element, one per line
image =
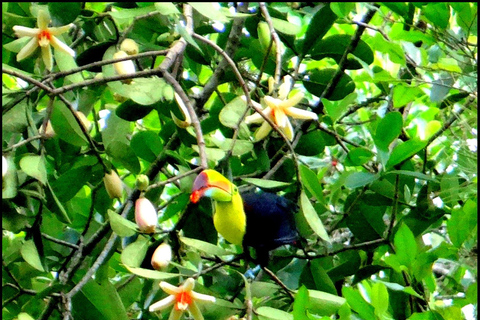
<point x="277" y="111"/>
<point x="183" y="297"/>
<point x="43" y="36"/>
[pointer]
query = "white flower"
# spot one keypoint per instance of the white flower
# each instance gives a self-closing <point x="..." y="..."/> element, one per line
<point x="184" y="299"/>
<point x="43" y="36"/>
<point x="277" y="110"/>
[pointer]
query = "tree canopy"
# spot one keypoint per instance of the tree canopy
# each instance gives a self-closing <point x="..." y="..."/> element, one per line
<point x="363" y="114"/>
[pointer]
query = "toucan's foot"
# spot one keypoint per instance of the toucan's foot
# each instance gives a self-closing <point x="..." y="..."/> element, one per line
<point x="252" y="273"/>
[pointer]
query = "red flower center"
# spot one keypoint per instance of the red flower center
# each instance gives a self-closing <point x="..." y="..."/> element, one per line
<point x="45" y="34"/>
<point x="184" y="299"/>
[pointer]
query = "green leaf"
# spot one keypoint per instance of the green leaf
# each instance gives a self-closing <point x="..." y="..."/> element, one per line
<point x="285" y="26"/>
<point x="205" y="247"/>
<point x="323" y="303"/>
<point x="462" y="223"/>
<point x="69" y="183"/>
<point x="418" y="175"/>
<point x="30" y="255"/>
<point x="358" y="157"/>
<point x="121" y="226"/>
<point x="152" y="274"/>
<point x="269" y="313"/>
<point x="335" y="46"/>
<point x="132" y="111"/>
<point x="123" y="153"/>
<point x="379" y="297"/>
<point x="240" y="147"/>
<point x="66" y="62"/>
<point x="405" y="245"/>
<point x="405" y="151"/>
<point x="388" y="129"/>
<point x="319" y="25"/>
<point x="55" y="206"/>
<point x="266" y="184"/>
<point x="404" y="94"/>
<point x="312" y="217"/>
<point x="311" y="183"/>
<point x="360" y="179"/>
<point x="64" y="13"/>
<point x="311" y="144"/>
<point x="342" y="9"/>
<point x="365" y="221"/>
<point x="300" y="304"/>
<point x="103" y="298"/>
<point x="34" y="166"/>
<point x="438" y="13"/>
<point x="358" y="303"/>
<point x="319" y="79"/>
<point x="166" y="8"/>
<point x="134" y="253"/>
<point x="65" y="125"/>
<point x="209" y="11"/>
<point x="398" y="287"/>
<point x="232" y="112"/>
<point x="146" y="145"/>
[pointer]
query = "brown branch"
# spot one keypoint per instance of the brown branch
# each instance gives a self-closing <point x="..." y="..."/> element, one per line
<point x="276" y="40"/>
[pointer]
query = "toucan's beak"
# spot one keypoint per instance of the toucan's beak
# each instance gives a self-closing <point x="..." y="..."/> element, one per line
<point x="210" y="183"/>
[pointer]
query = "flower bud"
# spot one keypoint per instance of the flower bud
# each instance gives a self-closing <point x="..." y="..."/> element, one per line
<point x="49" y="132"/>
<point x="83" y="119"/>
<point x="113" y="184"/>
<point x="142" y="182"/>
<point x="145" y="215"/>
<point x="123" y="67"/>
<point x="162" y="256"/>
<point x="4" y="166"/>
<point x="129" y="46"/>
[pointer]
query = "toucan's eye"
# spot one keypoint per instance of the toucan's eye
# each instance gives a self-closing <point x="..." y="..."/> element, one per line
<point x="235" y="190"/>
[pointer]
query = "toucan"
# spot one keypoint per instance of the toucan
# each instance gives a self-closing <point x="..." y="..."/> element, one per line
<point x="263" y="220"/>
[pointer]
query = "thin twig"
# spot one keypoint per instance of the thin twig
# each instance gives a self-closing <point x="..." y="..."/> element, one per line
<point x="276" y="40"/>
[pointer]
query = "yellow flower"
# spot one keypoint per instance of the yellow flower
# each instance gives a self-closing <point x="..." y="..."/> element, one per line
<point x="43" y="36"/>
<point x="183" y="298"/>
<point x="277" y="111"/>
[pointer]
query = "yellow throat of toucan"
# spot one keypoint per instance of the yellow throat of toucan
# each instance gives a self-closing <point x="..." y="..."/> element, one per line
<point x="229" y="217"/>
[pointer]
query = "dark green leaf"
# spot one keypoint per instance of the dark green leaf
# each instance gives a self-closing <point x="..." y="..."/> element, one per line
<point x="388" y="129"/>
<point x="65" y="125"/>
<point x="404" y="151"/>
<point x="318" y="80"/>
<point x="311" y="144"/>
<point x="30" y="255"/>
<point x="34" y="166"/>
<point x="146" y="145"/>
<point x="205" y="247"/>
<point x="123" y="153"/>
<point x="312" y="217"/>
<point x="405" y="246"/>
<point x="360" y="179"/>
<point x="358" y="157"/>
<point x="69" y="183"/>
<point x="462" y="222"/>
<point x="311" y="182"/>
<point x="335" y="46"/>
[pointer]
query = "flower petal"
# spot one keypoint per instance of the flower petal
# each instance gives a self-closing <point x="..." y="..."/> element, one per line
<point x="59" y="30"/>
<point x="284" y="89"/>
<point x="195" y="311"/>
<point x="280" y="117"/>
<point x="263" y="131"/>
<point x="257" y="117"/>
<point x="28" y="49"/>
<point x="47" y="57"/>
<point x="188" y="285"/>
<point x="255" y="103"/>
<point x="59" y="45"/>
<point x="175" y="314"/>
<point x="202" y="297"/>
<point x="288" y="130"/>
<point x="272" y="102"/>
<point x="162" y="304"/>
<point x="170" y="289"/>
<point x="43" y="19"/>
<point x="21" y="31"/>
<point x="293" y="101"/>
<point x="301" y="114"/>
<point x="186" y="114"/>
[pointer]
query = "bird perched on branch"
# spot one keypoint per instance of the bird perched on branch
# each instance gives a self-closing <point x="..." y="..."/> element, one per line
<point x="263" y="221"/>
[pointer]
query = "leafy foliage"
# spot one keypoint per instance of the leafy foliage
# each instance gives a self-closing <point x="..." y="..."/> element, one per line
<point x="385" y="179"/>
